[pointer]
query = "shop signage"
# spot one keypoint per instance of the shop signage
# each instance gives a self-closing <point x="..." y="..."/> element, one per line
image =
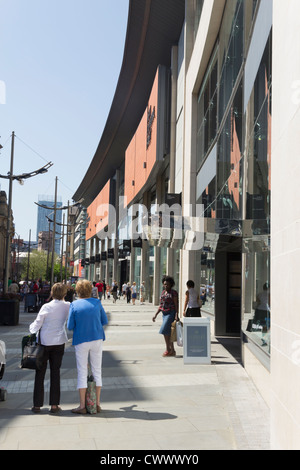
<point x="150" y="119"/>
<point x="110" y="253"/>
<point x="137" y="243"/>
<point x="127" y="245"/>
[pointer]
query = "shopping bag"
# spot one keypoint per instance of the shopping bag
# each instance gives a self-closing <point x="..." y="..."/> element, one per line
<point x="90" y="397"/>
<point x="179" y="333"/>
<point x="32" y="353"/>
<point x="173" y="337"/>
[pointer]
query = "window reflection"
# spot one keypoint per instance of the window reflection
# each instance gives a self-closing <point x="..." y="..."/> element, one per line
<point x="207" y="111"/>
<point x="205" y="279"/>
<point x="257" y="315"/>
<point x="208" y="198"/>
<point x="258" y="148"/>
<point x="257" y="308"/>
<point x="237" y="199"/>
<point x="231" y="51"/>
<point x="229" y="165"/>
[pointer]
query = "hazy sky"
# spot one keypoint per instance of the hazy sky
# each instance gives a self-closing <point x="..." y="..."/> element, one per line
<point x="59" y="65"/>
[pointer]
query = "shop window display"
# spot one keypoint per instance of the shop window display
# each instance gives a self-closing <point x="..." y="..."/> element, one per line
<point x="257" y="308"/>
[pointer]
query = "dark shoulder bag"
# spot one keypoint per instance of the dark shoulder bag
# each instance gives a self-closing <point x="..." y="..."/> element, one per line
<point x="32" y="353"/>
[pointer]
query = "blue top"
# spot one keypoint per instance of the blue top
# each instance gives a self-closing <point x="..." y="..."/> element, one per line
<point x="86" y="318"/>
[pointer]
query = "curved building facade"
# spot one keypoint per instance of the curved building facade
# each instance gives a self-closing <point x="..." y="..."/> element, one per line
<point x="187" y="177"/>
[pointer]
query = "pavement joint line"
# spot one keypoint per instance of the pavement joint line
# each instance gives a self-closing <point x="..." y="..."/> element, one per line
<point x="224" y="387"/>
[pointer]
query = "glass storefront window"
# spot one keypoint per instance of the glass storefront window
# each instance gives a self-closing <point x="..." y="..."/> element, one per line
<point x="229" y="163"/>
<point x="257" y="307"/>
<point x="231" y="51"/>
<point x="207" y="110"/>
<point x="208" y="198"/>
<point x="257" y="314"/>
<point x="205" y="278"/>
<point x="250" y="9"/>
<point x="258" y="148"/>
<point x="137" y="268"/>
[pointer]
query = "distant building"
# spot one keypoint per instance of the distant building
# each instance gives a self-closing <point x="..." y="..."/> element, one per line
<point x="43" y="222"/>
<point x="44" y="241"/>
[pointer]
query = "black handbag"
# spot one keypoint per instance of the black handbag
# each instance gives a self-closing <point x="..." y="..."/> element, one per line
<point x="32" y="353"/>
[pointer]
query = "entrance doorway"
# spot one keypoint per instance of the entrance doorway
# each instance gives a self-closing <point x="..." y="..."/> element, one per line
<point x="234" y="276"/>
<point x="228" y="275"/>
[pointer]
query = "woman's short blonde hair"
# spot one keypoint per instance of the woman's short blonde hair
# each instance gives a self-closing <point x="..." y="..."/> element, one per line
<point x="59" y="291"/>
<point x="84" y="289"/>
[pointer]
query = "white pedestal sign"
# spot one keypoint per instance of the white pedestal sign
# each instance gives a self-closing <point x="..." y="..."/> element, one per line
<point x="196" y="340"/>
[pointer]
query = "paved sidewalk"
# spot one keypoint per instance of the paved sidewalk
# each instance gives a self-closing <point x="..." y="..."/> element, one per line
<point x="149" y="402"/>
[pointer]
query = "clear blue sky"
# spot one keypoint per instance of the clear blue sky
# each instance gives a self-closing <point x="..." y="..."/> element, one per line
<point x="60" y="62"/>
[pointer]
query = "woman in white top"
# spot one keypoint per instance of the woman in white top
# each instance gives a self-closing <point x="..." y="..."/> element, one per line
<point x="133" y="293"/>
<point x="192" y="304"/>
<point x="51" y="325"/>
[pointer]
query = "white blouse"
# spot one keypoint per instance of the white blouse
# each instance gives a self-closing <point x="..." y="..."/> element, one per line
<point x="193" y="298"/>
<point x="51" y="319"/>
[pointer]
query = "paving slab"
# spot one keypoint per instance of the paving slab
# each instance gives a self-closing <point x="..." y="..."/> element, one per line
<point x="149" y="402"/>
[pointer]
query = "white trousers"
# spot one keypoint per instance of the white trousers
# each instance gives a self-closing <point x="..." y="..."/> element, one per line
<point x="82" y="353"/>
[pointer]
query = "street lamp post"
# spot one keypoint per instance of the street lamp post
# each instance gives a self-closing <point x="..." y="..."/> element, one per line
<point x="53" y="238"/>
<point x="63" y="234"/>
<point x="8" y="228"/>
<point x="11" y="178"/>
<point x="54" y="209"/>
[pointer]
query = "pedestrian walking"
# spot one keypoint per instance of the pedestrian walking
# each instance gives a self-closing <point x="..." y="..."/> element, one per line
<point x="70" y="292"/>
<point x="169" y="308"/>
<point x="94" y="290"/>
<point x="108" y="291"/>
<point x="51" y="325"/>
<point x="192" y="303"/>
<point x="133" y="293"/>
<point x="104" y="288"/>
<point x="128" y="293"/>
<point x="124" y="286"/>
<point x="13" y="288"/>
<point x="87" y="318"/>
<point x="114" y="291"/>
<point x="142" y="293"/>
<point x="99" y="286"/>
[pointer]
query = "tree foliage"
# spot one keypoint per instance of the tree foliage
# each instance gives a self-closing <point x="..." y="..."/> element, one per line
<point x="38" y="266"/>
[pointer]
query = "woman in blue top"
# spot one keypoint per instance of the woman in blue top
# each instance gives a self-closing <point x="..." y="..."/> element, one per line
<point x="86" y="319"/>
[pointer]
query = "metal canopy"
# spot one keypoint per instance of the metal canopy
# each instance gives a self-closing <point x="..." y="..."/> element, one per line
<point x="154" y="26"/>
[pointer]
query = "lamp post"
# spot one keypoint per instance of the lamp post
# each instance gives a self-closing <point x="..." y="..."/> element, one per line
<point x="11" y="178"/>
<point x="54" y="209"/>
<point x="63" y="225"/>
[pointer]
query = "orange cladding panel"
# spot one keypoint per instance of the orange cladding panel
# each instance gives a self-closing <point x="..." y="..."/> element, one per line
<point x="97" y="212"/>
<point x="152" y="126"/>
<point x="140" y="155"/>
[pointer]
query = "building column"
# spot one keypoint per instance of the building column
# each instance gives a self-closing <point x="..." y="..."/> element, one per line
<point x="157" y="274"/>
<point x="116" y="240"/>
<point x="144" y="253"/>
<point x="174" y="79"/>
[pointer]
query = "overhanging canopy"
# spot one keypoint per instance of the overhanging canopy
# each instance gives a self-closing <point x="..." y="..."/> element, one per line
<point x="153" y="28"/>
